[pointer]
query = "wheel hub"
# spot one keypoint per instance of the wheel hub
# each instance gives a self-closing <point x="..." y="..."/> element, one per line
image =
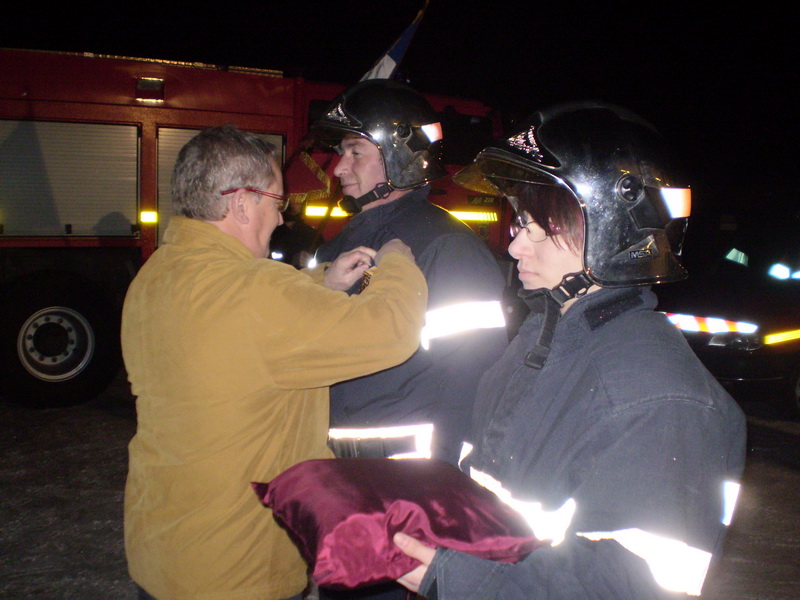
<point x="55" y="343"/>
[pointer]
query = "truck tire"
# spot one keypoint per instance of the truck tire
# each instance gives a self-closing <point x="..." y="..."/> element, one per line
<point x="59" y="341"/>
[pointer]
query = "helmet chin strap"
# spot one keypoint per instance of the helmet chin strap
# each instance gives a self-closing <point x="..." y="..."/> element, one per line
<point x="550" y="302"/>
<point x="572" y="286"/>
<point x="353" y="206"/>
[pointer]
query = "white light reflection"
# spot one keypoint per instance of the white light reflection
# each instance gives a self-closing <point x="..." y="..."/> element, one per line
<point x="458" y="318"/>
<point x="779" y="271"/>
<point x="730" y="494"/>
<point x="678" y="201"/>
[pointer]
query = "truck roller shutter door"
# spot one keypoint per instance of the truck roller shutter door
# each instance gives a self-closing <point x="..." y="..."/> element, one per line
<point x="78" y="178"/>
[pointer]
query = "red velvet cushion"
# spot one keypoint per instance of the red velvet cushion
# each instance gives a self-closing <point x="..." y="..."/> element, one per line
<point x="342" y="514"/>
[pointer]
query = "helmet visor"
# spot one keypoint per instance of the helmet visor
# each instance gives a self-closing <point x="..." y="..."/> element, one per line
<point x="325" y="138"/>
<point x="498" y="174"/>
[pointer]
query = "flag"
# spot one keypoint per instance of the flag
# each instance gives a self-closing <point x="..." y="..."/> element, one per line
<point x="386" y="66"/>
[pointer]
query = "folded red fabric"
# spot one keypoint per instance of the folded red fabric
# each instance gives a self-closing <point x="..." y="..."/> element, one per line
<point x="342" y="514"/>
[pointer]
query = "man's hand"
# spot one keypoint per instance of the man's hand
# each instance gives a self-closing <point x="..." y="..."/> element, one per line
<point x="394" y="245"/>
<point x="421" y="552"/>
<point x="348" y="268"/>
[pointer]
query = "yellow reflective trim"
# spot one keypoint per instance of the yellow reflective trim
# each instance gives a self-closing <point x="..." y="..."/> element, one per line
<point x="475" y="216"/>
<point x="148" y="216"/>
<point x="318" y="172"/>
<point x="319" y="211"/>
<point x="785" y="336"/>
<point x="310" y="197"/>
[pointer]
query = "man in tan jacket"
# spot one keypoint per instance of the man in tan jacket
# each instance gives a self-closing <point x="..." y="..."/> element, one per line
<point x="230" y="355"/>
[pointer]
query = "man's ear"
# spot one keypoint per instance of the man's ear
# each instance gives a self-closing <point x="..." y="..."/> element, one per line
<point x="237" y="207"/>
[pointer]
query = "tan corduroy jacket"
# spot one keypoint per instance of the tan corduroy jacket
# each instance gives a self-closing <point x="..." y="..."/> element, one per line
<point x="230" y="358"/>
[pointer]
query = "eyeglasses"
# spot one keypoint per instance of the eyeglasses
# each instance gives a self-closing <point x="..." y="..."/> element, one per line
<point x="282" y="202"/>
<point x="535" y="234"/>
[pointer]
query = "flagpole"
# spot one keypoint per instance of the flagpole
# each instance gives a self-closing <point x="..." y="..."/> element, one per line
<point x="386" y="66"/>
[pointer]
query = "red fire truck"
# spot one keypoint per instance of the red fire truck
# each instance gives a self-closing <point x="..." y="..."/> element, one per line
<point x="87" y="146"/>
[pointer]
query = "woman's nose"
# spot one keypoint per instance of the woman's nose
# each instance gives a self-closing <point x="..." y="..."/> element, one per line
<point x="516" y="247"/>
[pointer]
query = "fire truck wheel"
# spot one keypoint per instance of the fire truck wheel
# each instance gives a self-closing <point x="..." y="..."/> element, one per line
<point x="59" y="342"/>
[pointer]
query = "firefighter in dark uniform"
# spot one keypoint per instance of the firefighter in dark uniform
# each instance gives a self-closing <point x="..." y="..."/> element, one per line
<point x="389" y="139"/>
<point x="599" y="424"/>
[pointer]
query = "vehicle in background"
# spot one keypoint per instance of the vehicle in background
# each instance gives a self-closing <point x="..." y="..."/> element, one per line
<point x="87" y="146"/>
<point x="740" y="308"/>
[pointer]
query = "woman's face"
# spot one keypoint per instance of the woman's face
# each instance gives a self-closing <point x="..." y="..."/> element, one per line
<point x="542" y="264"/>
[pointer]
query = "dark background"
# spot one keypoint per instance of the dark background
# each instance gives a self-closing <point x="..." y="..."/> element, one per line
<point x="720" y="83"/>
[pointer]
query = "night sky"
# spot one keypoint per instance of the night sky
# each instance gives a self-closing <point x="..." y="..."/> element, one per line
<point x="720" y="84"/>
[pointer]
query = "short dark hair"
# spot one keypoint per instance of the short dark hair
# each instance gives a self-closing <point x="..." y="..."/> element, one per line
<point x="555" y="209"/>
<point x="214" y="160"/>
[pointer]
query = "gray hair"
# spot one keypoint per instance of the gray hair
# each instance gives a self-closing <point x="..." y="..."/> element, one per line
<point x="218" y="159"/>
